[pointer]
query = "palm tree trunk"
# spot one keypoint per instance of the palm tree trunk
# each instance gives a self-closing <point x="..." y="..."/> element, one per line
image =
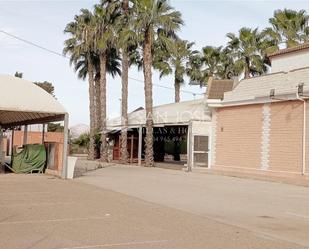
<point x="124" y="96"/>
<point x="247" y="70"/>
<point x="91" y="153"/>
<point x="103" y="153"/>
<point x="98" y="102"/>
<point x="124" y="107"/>
<point x="147" y="66"/>
<point x="97" y="110"/>
<point x="177" y="91"/>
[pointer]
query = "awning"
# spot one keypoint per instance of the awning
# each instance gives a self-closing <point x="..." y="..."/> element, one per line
<point x="22" y="103"/>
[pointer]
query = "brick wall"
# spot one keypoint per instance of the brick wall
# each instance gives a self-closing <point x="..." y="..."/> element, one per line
<point x="35" y="137"/>
<point x="285" y="143"/>
<point x="261" y="137"/>
<point x="238" y="136"/>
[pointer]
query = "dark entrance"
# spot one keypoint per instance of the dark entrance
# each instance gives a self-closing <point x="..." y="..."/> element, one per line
<point x="170" y="144"/>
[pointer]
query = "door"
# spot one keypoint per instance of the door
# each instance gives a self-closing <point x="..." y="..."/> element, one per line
<point x="200" y="151"/>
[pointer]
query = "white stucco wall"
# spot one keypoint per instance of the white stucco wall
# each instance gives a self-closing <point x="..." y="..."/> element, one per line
<point x="290" y="61"/>
<point x="201" y="128"/>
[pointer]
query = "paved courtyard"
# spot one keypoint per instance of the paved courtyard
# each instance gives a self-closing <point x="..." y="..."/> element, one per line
<point x="267" y="209"/>
<point x="45" y="212"/>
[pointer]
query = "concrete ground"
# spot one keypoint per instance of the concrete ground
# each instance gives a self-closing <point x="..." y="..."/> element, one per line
<point x="38" y="211"/>
<point x="268" y="211"/>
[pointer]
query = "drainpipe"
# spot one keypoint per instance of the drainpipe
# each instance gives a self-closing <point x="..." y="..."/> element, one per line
<point x="304" y="134"/>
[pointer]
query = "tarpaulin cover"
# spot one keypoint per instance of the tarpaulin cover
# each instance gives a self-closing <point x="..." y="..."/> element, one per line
<point x="31" y="158"/>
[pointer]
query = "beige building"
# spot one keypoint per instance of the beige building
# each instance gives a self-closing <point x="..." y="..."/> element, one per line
<point x="182" y="131"/>
<point x="261" y="125"/>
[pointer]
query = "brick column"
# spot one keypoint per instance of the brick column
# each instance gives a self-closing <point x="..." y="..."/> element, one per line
<point x="213" y="138"/>
<point x="265" y="137"/>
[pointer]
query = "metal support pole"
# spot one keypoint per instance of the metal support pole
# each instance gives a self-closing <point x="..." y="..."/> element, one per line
<point x="64" y="173"/>
<point x="189" y="148"/>
<point x="140" y="142"/>
<point x="304" y="138"/>
<point x="1" y="152"/>
<point x="25" y="138"/>
<point x="12" y="142"/>
<point x="43" y="133"/>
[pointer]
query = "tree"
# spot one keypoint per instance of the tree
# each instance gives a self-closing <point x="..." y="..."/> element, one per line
<point x="47" y="86"/>
<point x="125" y="28"/>
<point x="288" y="27"/>
<point x="107" y="14"/>
<point x="18" y="74"/>
<point x="248" y="52"/>
<point x="112" y="67"/>
<point x="55" y="127"/>
<point x="195" y="70"/>
<point x="152" y="17"/>
<point x="211" y="57"/>
<point x="128" y="48"/>
<point x="80" y="46"/>
<point x="226" y="69"/>
<point x="174" y="61"/>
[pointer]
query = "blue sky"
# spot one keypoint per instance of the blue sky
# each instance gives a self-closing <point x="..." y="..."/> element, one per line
<point x="42" y="22"/>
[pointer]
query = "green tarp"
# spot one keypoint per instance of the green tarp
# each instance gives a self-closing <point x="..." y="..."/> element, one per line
<point x="32" y="158"/>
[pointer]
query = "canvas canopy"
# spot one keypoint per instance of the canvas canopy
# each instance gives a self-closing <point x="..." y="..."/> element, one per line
<point x="22" y="102"/>
<point x="169" y="114"/>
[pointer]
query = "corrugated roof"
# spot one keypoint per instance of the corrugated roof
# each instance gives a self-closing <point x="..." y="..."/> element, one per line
<point x="22" y="102"/>
<point x="290" y="50"/>
<point x="283" y="82"/>
<point x="217" y="88"/>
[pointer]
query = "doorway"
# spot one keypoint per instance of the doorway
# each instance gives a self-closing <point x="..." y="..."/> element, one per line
<point x="200" y="151"/>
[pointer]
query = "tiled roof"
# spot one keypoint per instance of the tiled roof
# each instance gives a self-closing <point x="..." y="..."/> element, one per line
<point x="289" y="50"/>
<point x="258" y="87"/>
<point x="217" y="88"/>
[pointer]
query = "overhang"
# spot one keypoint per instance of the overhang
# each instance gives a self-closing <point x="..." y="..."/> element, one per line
<point x="181" y="113"/>
<point x="22" y="103"/>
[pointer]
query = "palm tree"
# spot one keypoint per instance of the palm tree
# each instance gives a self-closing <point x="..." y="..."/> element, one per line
<point x="106" y="14"/>
<point x="80" y="45"/>
<point x="211" y="57"/>
<point x="248" y="51"/>
<point x="124" y="83"/>
<point x="127" y="45"/>
<point x="195" y="71"/>
<point x="174" y="61"/>
<point x="288" y="27"/>
<point x="18" y="74"/>
<point x="151" y="18"/>
<point x="226" y="69"/>
<point x="112" y="67"/>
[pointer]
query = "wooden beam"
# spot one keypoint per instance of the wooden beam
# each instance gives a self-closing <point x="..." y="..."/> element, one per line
<point x="39" y="120"/>
<point x="131" y="152"/>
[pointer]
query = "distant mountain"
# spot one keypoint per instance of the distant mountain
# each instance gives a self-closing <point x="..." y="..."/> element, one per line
<point x="77" y="130"/>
